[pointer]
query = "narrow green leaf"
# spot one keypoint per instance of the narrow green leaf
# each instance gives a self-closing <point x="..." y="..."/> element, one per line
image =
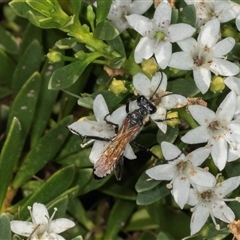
<point x="9" y="156"/>
<point x="5" y="231"/>
<point x="77" y="211"/>
<point x="86" y="181"/>
<point x="103" y="8"/>
<point x="118" y="217"/>
<point x="66" y="43"/>
<point x="45" y="102"/>
<point x="140" y="220"/>
<point x="153" y="195"/>
<point x="76" y="7"/>
<point x="20" y="7"/>
<point x="68" y="75"/>
<point x="23" y="106"/>
<point x="44" y="151"/>
<point x="117" y="45"/>
<point x="27" y="65"/>
<point x="105" y="31"/>
<point x="31" y="33"/>
<point x="118" y="191"/>
<point x="57" y="184"/>
<point x="7" y="41"/>
<point x="6" y="69"/>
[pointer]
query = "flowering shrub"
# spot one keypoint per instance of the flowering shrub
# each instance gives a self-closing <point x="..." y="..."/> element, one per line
<point x="157" y="87"/>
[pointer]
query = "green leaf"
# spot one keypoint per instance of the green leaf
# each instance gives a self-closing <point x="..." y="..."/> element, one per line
<point x="118" y="191"/>
<point x="77" y="211"/>
<point x="169" y="136"/>
<point x="188" y="15"/>
<point x="77" y="238"/>
<point x="9" y="157"/>
<point x="24" y="104"/>
<point x="68" y="75"/>
<point x="76" y="7"/>
<point x="153" y="195"/>
<point x="20" y="7"/>
<point x="31" y="33"/>
<point x="7" y="41"/>
<point x="66" y="43"/>
<point x="5" y="231"/>
<point x="140" y="220"/>
<point x="144" y="184"/>
<point x="42" y="152"/>
<point x="120" y="213"/>
<point x="27" y="65"/>
<point x="86" y="181"/>
<point x="117" y="45"/>
<point x="103" y="8"/>
<point x="57" y="184"/>
<point x="45" y="102"/>
<point x="105" y="31"/>
<point x="185" y="87"/>
<point x="6" y="69"/>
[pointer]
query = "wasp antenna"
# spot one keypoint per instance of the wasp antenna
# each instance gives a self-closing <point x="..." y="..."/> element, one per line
<point x="151" y="98"/>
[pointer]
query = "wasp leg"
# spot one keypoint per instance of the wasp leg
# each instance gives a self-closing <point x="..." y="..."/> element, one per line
<point x="87" y="138"/>
<point x="118" y="170"/>
<point x="164" y="120"/>
<point x="116" y="126"/>
<point x="140" y="147"/>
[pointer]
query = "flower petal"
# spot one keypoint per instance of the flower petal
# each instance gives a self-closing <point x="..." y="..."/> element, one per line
<point x="181" y="60"/>
<point x="203" y="115"/>
<point x="170" y="151"/>
<point x="161" y="172"/>
<point x="223" y="67"/>
<point x="142" y="84"/>
<point x="129" y="153"/>
<point x="173" y="101"/>
<point x="222" y="211"/>
<point x="144" y="49"/>
<point x="198" y="156"/>
<point x="202" y="78"/>
<point x="100" y="108"/>
<point x="187" y="44"/>
<point x="180" y="31"/>
<point x="140" y="7"/>
<point x="97" y="150"/>
<point x="159" y="118"/>
<point x="162" y="14"/>
<point x="40" y="214"/>
<point x="60" y="225"/>
<point x="238" y="22"/>
<point x="223" y="47"/>
<point x="209" y="33"/>
<point x="140" y="23"/>
<point x="180" y="191"/>
<point x="199" y="217"/>
<point x="227" y="108"/>
<point x="219" y="152"/>
<point x="233" y="83"/>
<point x="22" y="228"/>
<point x="196" y="135"/>
<point x="163" y="53"/>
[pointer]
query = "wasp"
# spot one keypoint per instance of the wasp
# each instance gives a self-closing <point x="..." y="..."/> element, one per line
<point x="112" y="157"/>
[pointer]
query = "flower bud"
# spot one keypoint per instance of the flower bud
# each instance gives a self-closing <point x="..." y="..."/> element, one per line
<point x="173" y="119"/>
<point x="54" y="56"/>
<point x="117" y="86"/>
<point x="149" y="66"/>
<point x="217" y="84"/>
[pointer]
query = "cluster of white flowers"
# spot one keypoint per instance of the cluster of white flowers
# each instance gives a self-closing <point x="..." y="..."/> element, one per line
<point x="204" y="54"/>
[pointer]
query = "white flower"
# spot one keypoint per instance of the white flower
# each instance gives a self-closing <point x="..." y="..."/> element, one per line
<point x="210" y="201"/>
<point x="224" y="10"/>
<point x="101" y="129"/>
<point x="218" y="129"/>
<point x="41" y="227"/>
<point x="158" y="34"/>
<point x="182" y="171"/>
<point x="121" y="8"/>
<point x="205" y="55"/>
<point x="163" y="100"/>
